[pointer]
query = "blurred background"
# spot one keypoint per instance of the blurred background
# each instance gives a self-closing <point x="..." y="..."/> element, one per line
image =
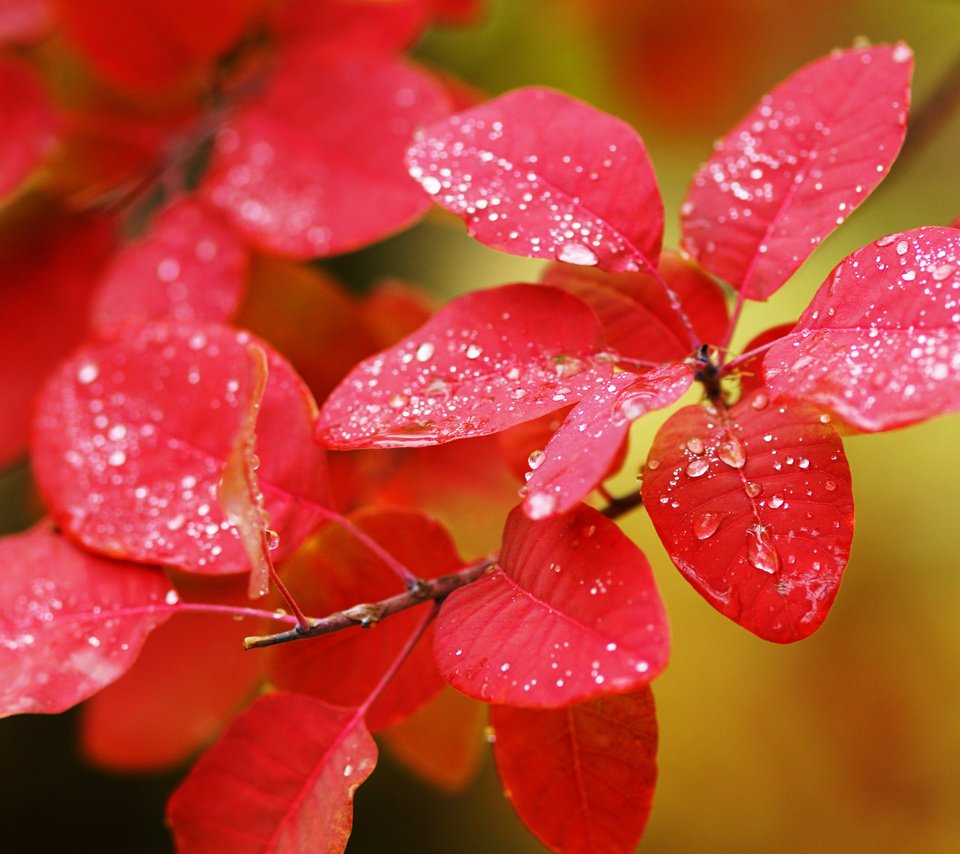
<point x="847" y="741"/>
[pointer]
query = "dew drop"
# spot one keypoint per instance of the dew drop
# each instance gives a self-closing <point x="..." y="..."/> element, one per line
<point x="733" y="453"/>
<point x="830" y="486"/>
<point x="653" y="465"/>
<point x="752" y="488"/>
<point x="272" y="538"/>
<point x="760" y="401"/>
<point x="172" y="597"/>
<point x="775" y="501"/>
<point x="886" y="241"/>
<point x="577" y="253"/>
<point x="431" y="185"/>
<point x="87" y="373"/>
<point x="424" y="352"/>
<point x="697" y="467"/>
<point x="760" y="550"/>
<point x="536" y="459"/>
<point x="540" y="505"/>
<point x="695" y="445"/>
<point x="705" y="525"/>
<point x="474" y="352"/>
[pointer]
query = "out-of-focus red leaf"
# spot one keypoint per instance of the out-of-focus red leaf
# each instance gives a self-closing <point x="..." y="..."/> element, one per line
<point x="879" y="345"/>
<point x="280" y="779"/>
<point x="442" y="742"/>
<point x="50" y="264"/>
<point x="520" y="442"/>
<point x="132" y="436"/>
<point x="797" y="165"/>
<point x="458" y="11"/>
<point x="388" y="26"/>
<point x="70" y="622"/>
<point x="578" y="457"/>
<point x="29" y="120"/>
<point x="635" y="310"/>
<point x="188" y="267"/>
<point x="486" y="361"/>
<point x="749" y="371"/>
<point x="570" y="612"/>
<point x="314" y="164"/>
<point x="334" y="572"/>
<point x="153" y="44"/>
<point x="537" y="173"/>
<point x="755" y="508"/>
<point x="24" y="21"/>
<point x="190" y="679"/>
<point x="580" y="777"/>
<point x="308" y="317"/>
<point x="393" y="310"/>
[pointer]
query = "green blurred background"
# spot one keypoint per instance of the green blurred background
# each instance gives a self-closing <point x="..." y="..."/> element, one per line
<point x="848" y="741"/>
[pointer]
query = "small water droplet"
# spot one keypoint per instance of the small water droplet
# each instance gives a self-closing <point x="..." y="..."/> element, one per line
<point x="172" y="597"/>
<point x="775" y="501"/>
<point x="830" y="486"/>
<point x="272" y="538"/>
<point x="535" y="460"/>
<point x="705" y="525"/>
<point x="577" y="253"/>
<point x="752" y="488"/>
<point x="431" y="185"/>
<point x="653" y="465"/>
<point x="760" y="401"/>
<point x="474" y="352"/>
<point x="761" y="551"/>
<point x="490" y="734"/>
<point x="697" y="467"/>
<point x="425" y="352"/>
<point x="87" y="373"/>
<point x="540" y="505"/>
<point x="695" y="445"/>
<point x="902" y="247"/>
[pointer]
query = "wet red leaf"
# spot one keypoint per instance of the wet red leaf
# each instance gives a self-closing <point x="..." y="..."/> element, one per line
<point x="578" y="457"/>
<point x="29" y="120"/>
<point x="24" y="20"/>
<point x="132" y="436"/>
<point x="70" y="622"/>
<point x="484" y="362"/>
<point x="280" y="779"/>
<point x="570" y="612"/>
<point x="749" y="371"/>
<point x="580" y="777"/>
<point x="879" y="345"/>
<point x="540" y="174"/>
<point x="49" y="274"/>
<point x="754" y="506"/>
<point x="314" y="164"/>
<point x="188" y="267"/>
<point x="334" y="572"/>
<point x="797" y="165"/>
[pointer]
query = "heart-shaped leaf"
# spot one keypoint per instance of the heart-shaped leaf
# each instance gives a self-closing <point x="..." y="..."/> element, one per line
<point x="280" y="779"/>
<point x="797" y="165"/>
<point x="314" y="164"/>
<point x="879" y="345"/>
<point x="70" y="622"/>
<point x="484" y="362"/>
<point x="580" y="777"/>
<point x="754" y="506"/>
<point x="132" y="436"/>
<point x="570" y="612"/>
<point x="540" y="174"/>
<point x="578" y="456"/>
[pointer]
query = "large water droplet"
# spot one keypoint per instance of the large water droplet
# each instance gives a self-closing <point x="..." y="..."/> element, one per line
<point x="577" y="253"/>
<point x="697" y="467"/>
<point x="733" y="453"/>
<point x="705" y="525"/>
<point x="752" y="488"/>
<point x="761" y="551"/>
<point x="695" y="445"/>
<point x="424" y="352"/>
<point x="535" y="460"/>
<point x="540" y="505"/>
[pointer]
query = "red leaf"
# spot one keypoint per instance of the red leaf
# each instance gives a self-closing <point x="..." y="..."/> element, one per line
<point x="483" y="363"/>
<point x="458" y="11"/>
<point x="635" y="310"/>
<point x="879" y="345"/>
<point x="571" y="612"/>
<point x="281" y="779"/>
<point x="580" y="777"/>
<point x="132" y="436"/>
<point x="29" y="121"/>
<point x="537" y="173"/>
<point x="24" y="20"/>
<point x="578" y="457"/>
<point x="188" y="267"/>
<point x="152" y="44"/>
<point x="794" y="168"/>
<point x="50" y="265"/>
<point x="749" y="370"/>
<point x="334" y="572"/>
<point x="314" y="165"/>
<point x="518" y="443"/>
<point x="754" y="506"/>
<point x="191" y="677"/>
<point x="70" y="622"/>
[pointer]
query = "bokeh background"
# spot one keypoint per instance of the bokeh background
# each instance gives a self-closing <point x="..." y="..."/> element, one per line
<point x="848" y="741"/>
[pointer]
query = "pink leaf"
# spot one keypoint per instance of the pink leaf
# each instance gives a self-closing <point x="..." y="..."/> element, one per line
<point x="70" y="622"/>
<point x="578" y="456"/>
<point x="537" y="173"/>
<point x="486" y="361"/>
<point x="188" y="267"/>
<point x="24" y="21"/>
<point x="132" y="436"/>
<point x="281" y="779"/>
<point x="580" y="777"/>
<point x="879" y="345"/>
<point x="797" y="165"/>
<point x="314" y="165"/>
<point x="635" y="310"/>
<point x="570" y="612"/>
<point x="755" y="508"/>
<point x="29" y="123"/>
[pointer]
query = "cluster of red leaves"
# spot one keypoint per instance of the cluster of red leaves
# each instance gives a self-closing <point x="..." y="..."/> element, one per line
<point x="163" y="436"/>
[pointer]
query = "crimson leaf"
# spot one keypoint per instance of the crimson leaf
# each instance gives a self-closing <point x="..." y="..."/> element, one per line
<point x="281" y="779"/>
<point x="797" y="165"/>
<point x="70" y="622"/>
<point x="580" y="777"/>
<point x="484" y="362"/>
<point x="30" y="123"/>
<point x="879" y="345"/>
<point x="754" y="506"/>
<point x="570" y="612"/>
<point x="537" y="173"/>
